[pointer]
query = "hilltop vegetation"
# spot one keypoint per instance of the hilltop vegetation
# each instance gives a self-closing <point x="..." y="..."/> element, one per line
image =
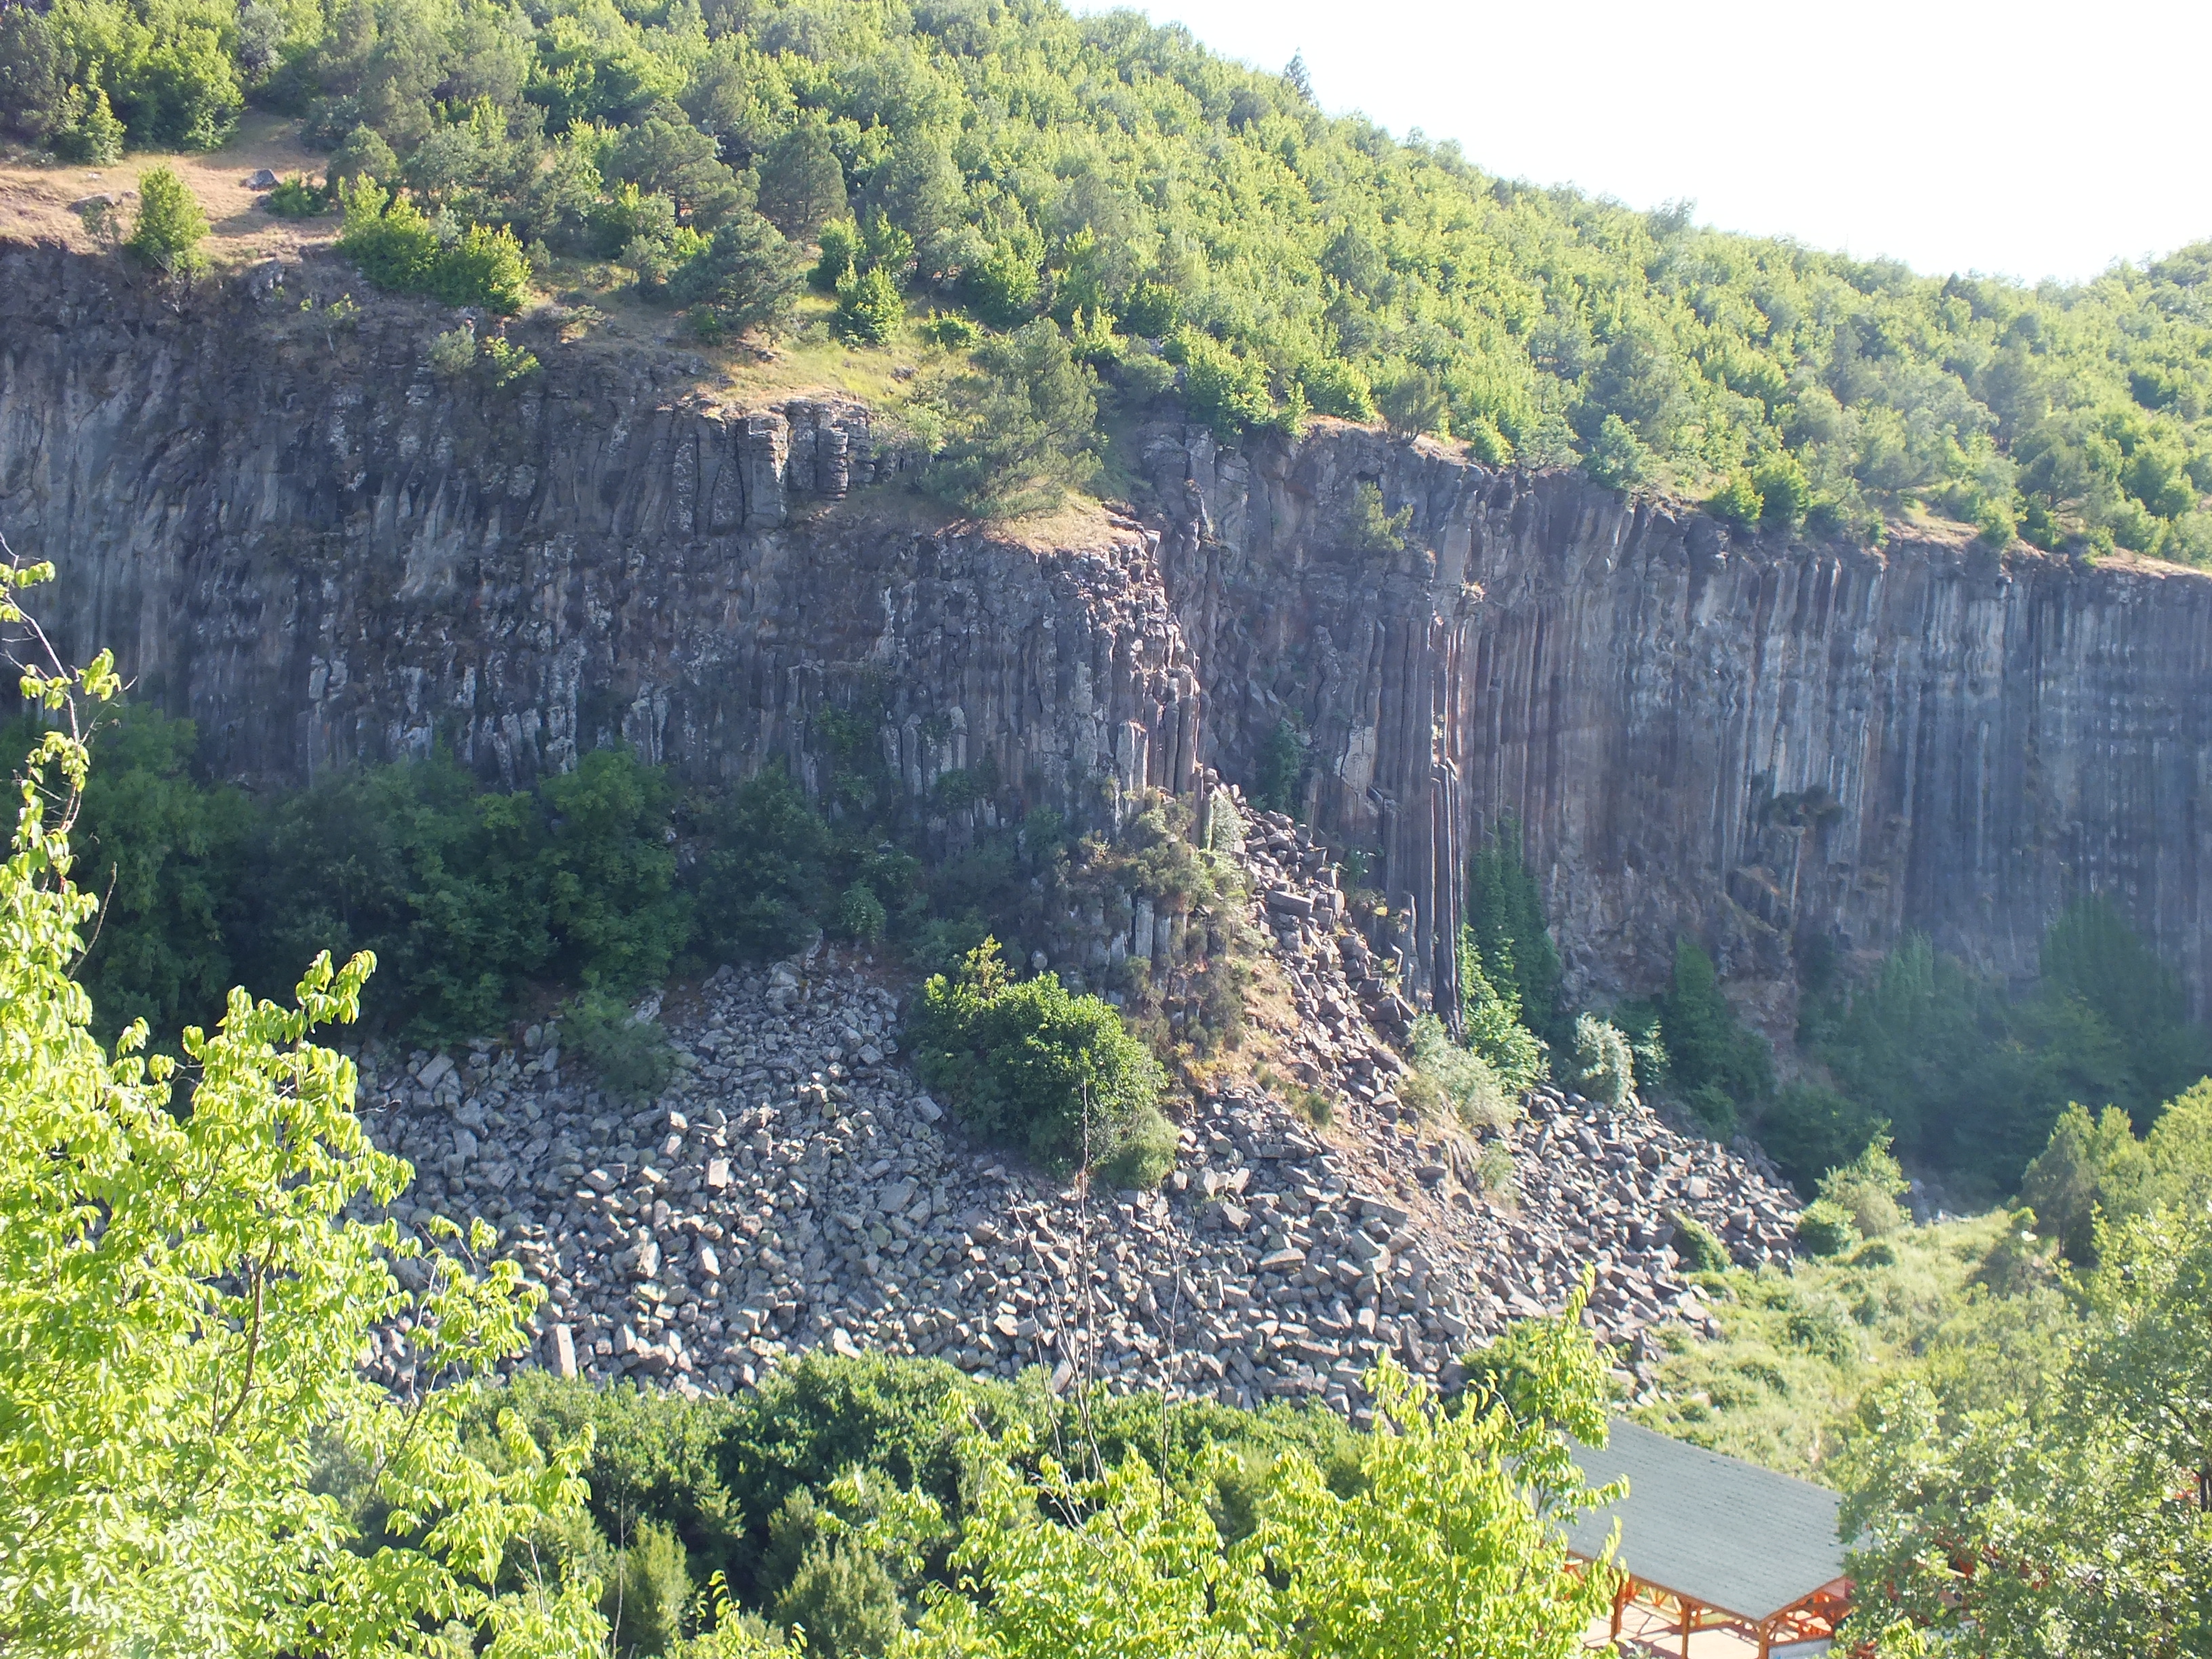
<point x="949" y="166"/>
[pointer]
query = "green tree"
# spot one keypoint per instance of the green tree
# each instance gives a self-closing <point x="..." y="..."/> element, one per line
<point x="802" y="183"/>
<point x="1021" y="421"/>
<point x="610" y="870"/>
<point x="1505" y="908"/>
<point x="363" y="155"/>
<point x="31" y="84"/>
<point x="1718" y="1064"/>
<point x="1371" y="528"/>
<point x="170" y="226"/>
<point x="1031" y="1064"/>
<point x="649" y="1594"/>
<point x="182" y="1300"/>
<point x="164" y="854"/>
<point x="391" y="241"/>
<point x="674" y="159"/>
<point x="486" y="267"/>
<point x="869" y="307"/>
<point x="844" y="1599"/>
<point x="1223" y="388"/>
<point x="1447" y="1539"/>
<point x="1414" y="401"/>
<point x="764" y="871"/>
<point x="745" y="278"/>
<point x="2073" y="1516"/>
<point x="1490" y="1021"/>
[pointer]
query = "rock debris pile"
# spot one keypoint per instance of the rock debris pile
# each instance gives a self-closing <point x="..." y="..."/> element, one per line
<point x="794" y="1188"/>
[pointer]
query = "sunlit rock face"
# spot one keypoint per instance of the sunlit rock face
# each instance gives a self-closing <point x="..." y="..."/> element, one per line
<point x="294" y="529"/>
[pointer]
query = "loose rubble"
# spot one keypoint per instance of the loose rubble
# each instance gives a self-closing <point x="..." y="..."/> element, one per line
<point x="795" y="1188"/>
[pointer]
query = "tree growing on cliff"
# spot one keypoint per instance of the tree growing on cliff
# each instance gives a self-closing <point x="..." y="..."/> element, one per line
<point x="1021" y="423"/>
<point x="745" y="278"/>
<point x="170" y="226"/>
<point x="182" y="1302"/>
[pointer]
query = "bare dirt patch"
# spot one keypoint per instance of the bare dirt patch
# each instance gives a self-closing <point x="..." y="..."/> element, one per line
<point x="36" y="190"/>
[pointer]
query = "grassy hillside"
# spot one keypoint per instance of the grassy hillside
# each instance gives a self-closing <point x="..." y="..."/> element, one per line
<point x="1187" y="222"/>
<point x="1796" y="1351"/>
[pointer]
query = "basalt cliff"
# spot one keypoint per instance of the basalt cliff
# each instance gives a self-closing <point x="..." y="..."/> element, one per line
<point x="290" y="527"/>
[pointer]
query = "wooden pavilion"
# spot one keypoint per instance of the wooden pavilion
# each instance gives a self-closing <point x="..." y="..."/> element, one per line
<point x="1709" y="1542"/>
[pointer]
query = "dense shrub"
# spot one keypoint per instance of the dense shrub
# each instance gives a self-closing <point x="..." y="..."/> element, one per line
<point x="764" y="877"/>
<point x="1605" y="1069"/>
<point x="1698" y="1247"/>
<point x="1021" y="425"/>
<point x="295" y="198"/>
<point x="1032" y="1066"/>
<point x="397" y="247"/>
<point x="1808" y="1129"/>
<point x="1491" y="1025"/>
<point x="1825" y="1227"/>
<point x="869" y="308"/>
<point x="1464" y="1082"/>
<point x="170" y="226"/>
<point x="1867" y="1190"/>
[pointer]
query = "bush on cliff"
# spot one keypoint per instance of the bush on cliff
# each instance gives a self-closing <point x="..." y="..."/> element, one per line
<point x="397" y="247"/>
<point x="1029" y="1064"/>
<point x="1020" y="425"/>
<point x="170" y="226"/>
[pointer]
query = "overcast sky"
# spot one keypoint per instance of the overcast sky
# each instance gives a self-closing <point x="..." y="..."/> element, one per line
<point x="2028" y="139"/>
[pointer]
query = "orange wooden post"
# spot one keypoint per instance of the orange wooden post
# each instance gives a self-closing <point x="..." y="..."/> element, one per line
<point x="1620" y="1603"/>
<point x="1689" y="1622"/>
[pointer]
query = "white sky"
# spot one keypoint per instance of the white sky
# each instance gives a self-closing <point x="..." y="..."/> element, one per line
<point x="2026" y="138"/>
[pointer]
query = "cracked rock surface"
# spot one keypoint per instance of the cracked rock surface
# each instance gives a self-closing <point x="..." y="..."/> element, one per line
<point x="795" y="1188"/>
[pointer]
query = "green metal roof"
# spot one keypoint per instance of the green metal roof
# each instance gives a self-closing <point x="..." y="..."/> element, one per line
<point x="1723" y="1533"/>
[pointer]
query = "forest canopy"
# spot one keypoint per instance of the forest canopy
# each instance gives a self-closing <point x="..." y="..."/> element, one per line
<point x="1186" y="219"/>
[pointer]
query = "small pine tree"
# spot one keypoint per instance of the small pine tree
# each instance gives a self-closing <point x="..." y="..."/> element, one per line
<point x="646" y="1599"/>
<point x="869" y="307"/>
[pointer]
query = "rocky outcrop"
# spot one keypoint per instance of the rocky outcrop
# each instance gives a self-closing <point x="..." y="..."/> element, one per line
<point x="1766" y="741"/>
<point x="294" y="529"/>
<point x="794" y="1190"/>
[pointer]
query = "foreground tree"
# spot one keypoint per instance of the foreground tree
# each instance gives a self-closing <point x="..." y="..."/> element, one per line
<point x="2075" y="1523"/>
<point x="1449" y="1543"/>
<point x="182" y="1303"/>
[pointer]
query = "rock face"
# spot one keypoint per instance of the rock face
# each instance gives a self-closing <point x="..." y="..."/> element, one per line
<point x="1750" y="738"/>
<point x="293" y="530"/>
